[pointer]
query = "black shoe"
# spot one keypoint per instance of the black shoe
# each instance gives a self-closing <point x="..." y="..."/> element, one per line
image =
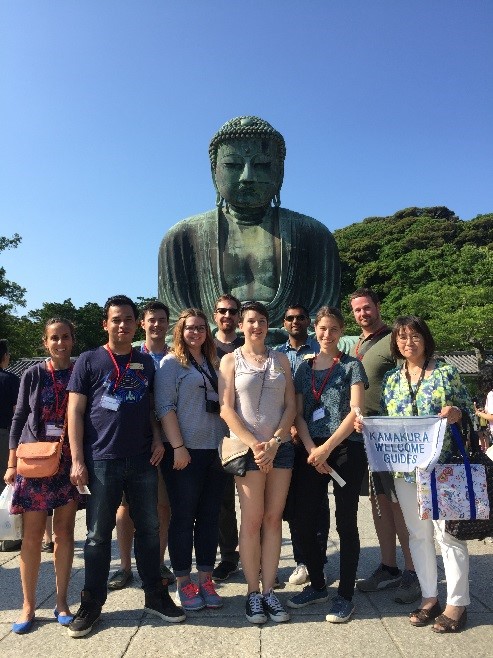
<point x="224" y="570"/>
<point x="8" y="545"/>
<point x="254" y="608"/>
<point x="85" y="617"/>
<point x="158" y="602"/>
<point x="48" y="547"/>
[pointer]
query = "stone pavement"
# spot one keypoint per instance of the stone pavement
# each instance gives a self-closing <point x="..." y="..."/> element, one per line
<point x="379" y="627"/>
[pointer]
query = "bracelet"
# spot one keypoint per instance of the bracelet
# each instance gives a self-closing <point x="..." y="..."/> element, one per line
<point x="176" y="447"/>
<point x="12" y="466"/>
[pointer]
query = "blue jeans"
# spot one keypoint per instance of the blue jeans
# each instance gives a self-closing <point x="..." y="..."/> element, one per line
<point x="195" y="496"/>
<point x="108" y="480"/>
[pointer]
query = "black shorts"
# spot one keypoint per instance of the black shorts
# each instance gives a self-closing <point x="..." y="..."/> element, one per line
<point x="383" y="483"/>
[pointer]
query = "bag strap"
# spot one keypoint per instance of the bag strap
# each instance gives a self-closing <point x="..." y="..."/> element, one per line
<point x="64" y="434"/>
<point x="467" y="467"/>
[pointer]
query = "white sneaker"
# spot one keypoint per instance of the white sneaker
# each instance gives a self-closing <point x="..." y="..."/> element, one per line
<point x="299" y="576"/>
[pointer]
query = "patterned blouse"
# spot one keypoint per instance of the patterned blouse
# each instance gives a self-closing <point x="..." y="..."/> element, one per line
<point x="442" y="388"/>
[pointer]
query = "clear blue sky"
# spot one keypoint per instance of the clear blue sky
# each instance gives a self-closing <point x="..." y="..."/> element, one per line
<point x="107" y="108"/>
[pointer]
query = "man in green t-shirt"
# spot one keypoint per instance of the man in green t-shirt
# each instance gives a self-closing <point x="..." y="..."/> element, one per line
<point x="373" y="349"/>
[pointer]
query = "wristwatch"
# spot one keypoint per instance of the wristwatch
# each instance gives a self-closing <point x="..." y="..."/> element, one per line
<point x="277" y="439"/>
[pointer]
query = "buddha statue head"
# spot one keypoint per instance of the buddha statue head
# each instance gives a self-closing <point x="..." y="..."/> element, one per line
<point x="247" y="163"/>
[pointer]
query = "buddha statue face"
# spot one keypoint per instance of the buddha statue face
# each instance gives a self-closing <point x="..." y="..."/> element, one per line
<point x="248" y="172"/>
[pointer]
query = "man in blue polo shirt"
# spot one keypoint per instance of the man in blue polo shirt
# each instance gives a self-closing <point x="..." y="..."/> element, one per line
<point x="299" y="344"/>
<point x="297" y="348"/>
<point x="116" y="447"/>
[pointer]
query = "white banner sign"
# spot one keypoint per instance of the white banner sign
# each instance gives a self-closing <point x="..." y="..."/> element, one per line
<point x="403" y="443"/>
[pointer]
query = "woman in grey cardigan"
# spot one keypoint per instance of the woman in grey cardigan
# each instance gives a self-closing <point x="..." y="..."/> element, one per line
<point x="39" y="416"/>
<point x="187" y="406"/>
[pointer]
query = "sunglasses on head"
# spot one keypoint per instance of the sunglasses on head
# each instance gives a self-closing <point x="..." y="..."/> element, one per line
<point x="223" y="311"/>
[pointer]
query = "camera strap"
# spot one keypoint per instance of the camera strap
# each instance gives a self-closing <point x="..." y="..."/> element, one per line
<point x="211" y="375"/>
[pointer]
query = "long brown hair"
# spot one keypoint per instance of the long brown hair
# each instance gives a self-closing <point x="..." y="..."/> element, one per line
<point x="180" y="348"/>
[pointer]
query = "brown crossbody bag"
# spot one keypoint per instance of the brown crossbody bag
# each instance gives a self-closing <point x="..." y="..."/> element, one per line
<point x="40" y="459"/>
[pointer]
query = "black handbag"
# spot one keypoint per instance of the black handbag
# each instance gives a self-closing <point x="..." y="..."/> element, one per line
<point x="233" y="455"/>
<point x="475" y="528"/>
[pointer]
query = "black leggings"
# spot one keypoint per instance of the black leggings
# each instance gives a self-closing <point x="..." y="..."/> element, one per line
<point x="349" y="461"/>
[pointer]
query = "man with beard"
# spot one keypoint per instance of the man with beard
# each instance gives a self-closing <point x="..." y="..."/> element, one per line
<point x="373" y="349"/>
<point x="226" y="316"/>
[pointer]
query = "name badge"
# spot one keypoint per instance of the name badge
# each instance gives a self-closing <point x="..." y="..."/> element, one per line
<point x="318" y="413"/>
<point x="136" y="366"/>
<point x="52" y="429"/>
<point x="110" y="402"/>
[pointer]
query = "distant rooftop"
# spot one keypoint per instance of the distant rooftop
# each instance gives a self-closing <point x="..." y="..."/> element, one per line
<point x="18" y="367"/>
<point x="466" y="362"/>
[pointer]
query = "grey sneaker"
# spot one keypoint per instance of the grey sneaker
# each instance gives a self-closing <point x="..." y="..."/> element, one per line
<point x="380" y="579"/>
<point x="409" y="590"/>
<point x="120" y="579"/>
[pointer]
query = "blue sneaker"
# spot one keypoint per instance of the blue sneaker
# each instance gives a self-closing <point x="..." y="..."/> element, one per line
<point x="189" y="598"/>
<point x="209" y="594"/>
<point x="341" y="610"/>
<point x="308" y="596"/>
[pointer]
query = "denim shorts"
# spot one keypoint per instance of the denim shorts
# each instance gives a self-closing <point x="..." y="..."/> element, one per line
<point x="284" y="458"/>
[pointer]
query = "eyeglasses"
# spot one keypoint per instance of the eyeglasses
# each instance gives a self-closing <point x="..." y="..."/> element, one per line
<point x="193" y="329"/>
<point x="224" y="311"/>
<point x="415" y="338"/>
<point x="290" y="318"/>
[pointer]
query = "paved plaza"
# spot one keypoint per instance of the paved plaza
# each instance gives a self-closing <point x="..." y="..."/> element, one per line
<point x="379" y="627"/>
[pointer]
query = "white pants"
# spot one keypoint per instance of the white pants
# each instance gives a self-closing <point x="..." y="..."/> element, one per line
<point x="422" y="546"/>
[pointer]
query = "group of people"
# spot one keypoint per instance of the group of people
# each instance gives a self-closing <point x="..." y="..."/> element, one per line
<point x="142" y="426"/>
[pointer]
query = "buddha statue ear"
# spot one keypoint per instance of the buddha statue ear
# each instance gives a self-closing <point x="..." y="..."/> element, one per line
<point x="276" y="200"/>
<point x="219" y="198"/>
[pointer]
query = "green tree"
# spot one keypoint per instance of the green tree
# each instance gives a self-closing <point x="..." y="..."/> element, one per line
<point x="11" y="296"/>
<point x="88" y="322"/>
<point x="428" y="262"/>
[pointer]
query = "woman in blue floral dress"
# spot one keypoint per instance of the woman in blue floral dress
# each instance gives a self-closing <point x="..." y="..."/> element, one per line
<point x="39" y="416"/>
<point x="426" y="386"/>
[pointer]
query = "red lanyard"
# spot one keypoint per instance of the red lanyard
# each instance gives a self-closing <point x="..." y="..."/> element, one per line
<point x="120" y="375"/>
<point x="58" y="406"/>
<point x="318" y="394"/>
<point x="370" y="337"/>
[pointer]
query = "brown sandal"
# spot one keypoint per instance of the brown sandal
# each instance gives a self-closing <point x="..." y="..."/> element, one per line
<point x="450" y="625"/>
<point x="424" y="616"/>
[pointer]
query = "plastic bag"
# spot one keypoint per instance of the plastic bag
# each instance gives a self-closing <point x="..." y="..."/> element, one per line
<point x="10" y="524"/>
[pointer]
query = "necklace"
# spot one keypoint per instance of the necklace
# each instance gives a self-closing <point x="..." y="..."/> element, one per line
<point x="414" y="369"/>
<point x="258" y="358"/>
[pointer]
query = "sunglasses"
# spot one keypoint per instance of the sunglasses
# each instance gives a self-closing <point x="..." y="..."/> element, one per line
<point x="290" y="318"/>
<point x="224" y="311"/>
